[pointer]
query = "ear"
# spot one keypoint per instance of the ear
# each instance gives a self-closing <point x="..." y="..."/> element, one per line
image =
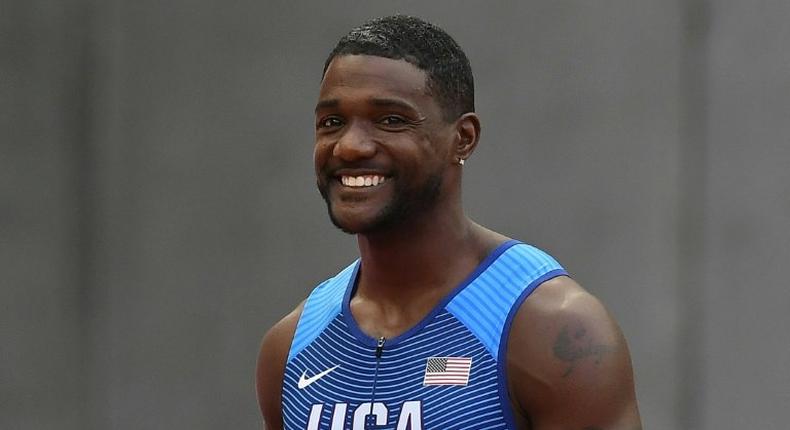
<point x="468" y="134"/>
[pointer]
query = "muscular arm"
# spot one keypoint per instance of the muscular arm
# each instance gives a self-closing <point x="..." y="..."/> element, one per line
<point x="271" y="368"/>
<point x="568" y="363"/>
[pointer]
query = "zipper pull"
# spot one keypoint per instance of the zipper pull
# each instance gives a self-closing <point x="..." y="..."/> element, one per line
<point x="380" y="346"/>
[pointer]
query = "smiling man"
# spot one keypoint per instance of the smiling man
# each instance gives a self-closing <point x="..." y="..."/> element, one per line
<point x="441" y="324"/>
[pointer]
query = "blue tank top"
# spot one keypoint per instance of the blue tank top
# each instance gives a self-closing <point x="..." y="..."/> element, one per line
<point x="445" y="373"/>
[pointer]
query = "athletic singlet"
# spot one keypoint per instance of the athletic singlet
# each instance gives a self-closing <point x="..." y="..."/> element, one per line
<point x="445" y="373"/>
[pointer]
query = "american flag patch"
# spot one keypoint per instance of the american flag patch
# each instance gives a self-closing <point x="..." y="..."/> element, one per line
<point x="447" y="371"/>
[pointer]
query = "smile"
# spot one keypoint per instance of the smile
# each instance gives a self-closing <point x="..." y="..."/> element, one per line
<point x="362" y="181"/>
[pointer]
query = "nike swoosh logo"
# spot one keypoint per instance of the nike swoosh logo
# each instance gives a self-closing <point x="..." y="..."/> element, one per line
<point x="304" y="382"/>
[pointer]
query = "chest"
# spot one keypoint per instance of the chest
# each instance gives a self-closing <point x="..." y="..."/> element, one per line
<point x="441" y="377"/>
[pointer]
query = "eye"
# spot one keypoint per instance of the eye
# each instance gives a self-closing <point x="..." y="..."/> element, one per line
<point x="393" y="120"/>
<point x="329" y="122"/>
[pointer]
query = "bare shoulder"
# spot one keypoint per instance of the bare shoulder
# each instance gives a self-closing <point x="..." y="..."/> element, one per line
<point x="271" y="368"/>
<point x="568" y="362"/>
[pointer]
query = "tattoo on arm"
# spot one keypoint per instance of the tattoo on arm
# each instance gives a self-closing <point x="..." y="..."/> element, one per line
<point x="571" y="347"/>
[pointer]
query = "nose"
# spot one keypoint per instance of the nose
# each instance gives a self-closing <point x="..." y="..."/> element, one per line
<point x="356" y="143"/>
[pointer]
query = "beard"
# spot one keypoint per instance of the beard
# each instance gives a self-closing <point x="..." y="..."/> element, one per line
<point x="406" y="203"/>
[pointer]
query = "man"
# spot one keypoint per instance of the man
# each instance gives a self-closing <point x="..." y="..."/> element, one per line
<point x="441" y="324"/>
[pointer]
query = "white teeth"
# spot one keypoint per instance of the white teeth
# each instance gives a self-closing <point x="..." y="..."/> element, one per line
<point x="362" y="181"/>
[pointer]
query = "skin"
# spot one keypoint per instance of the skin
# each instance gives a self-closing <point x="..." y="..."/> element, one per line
<point x="568" y="364"/>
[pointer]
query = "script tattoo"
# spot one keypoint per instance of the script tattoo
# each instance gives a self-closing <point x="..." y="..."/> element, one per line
<point x="572" y="347"/>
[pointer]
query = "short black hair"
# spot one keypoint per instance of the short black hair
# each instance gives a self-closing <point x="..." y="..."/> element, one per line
<point x="422" y="44"/>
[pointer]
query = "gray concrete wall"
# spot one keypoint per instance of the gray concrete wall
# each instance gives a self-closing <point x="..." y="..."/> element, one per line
<point x="159" y="211"/>
<point x="746" y="341"/>
<point x="44" y="309"/>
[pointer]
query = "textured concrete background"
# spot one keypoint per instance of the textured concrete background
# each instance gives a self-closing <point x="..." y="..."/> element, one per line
<point x="158" y="208"/>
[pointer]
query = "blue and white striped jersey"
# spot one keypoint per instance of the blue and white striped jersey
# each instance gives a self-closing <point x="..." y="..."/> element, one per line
<point x="445" y="373"/>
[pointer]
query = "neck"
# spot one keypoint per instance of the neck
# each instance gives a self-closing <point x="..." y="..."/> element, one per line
<point x="420" y="256"/>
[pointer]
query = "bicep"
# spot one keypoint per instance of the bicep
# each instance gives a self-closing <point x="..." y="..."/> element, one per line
<point x="268" y="378"/>
<point x="271" y="368"/>
<point x="569" y="362"/>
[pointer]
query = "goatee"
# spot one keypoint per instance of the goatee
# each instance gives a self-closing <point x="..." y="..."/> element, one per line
<point x="405" y="204"/>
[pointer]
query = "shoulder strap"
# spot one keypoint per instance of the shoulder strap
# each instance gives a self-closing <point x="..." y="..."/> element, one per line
<point x="320" y="308"/>
<point x="487" y="305"/>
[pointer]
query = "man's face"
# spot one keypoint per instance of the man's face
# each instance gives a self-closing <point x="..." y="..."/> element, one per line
<point x="382" y="146"/>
